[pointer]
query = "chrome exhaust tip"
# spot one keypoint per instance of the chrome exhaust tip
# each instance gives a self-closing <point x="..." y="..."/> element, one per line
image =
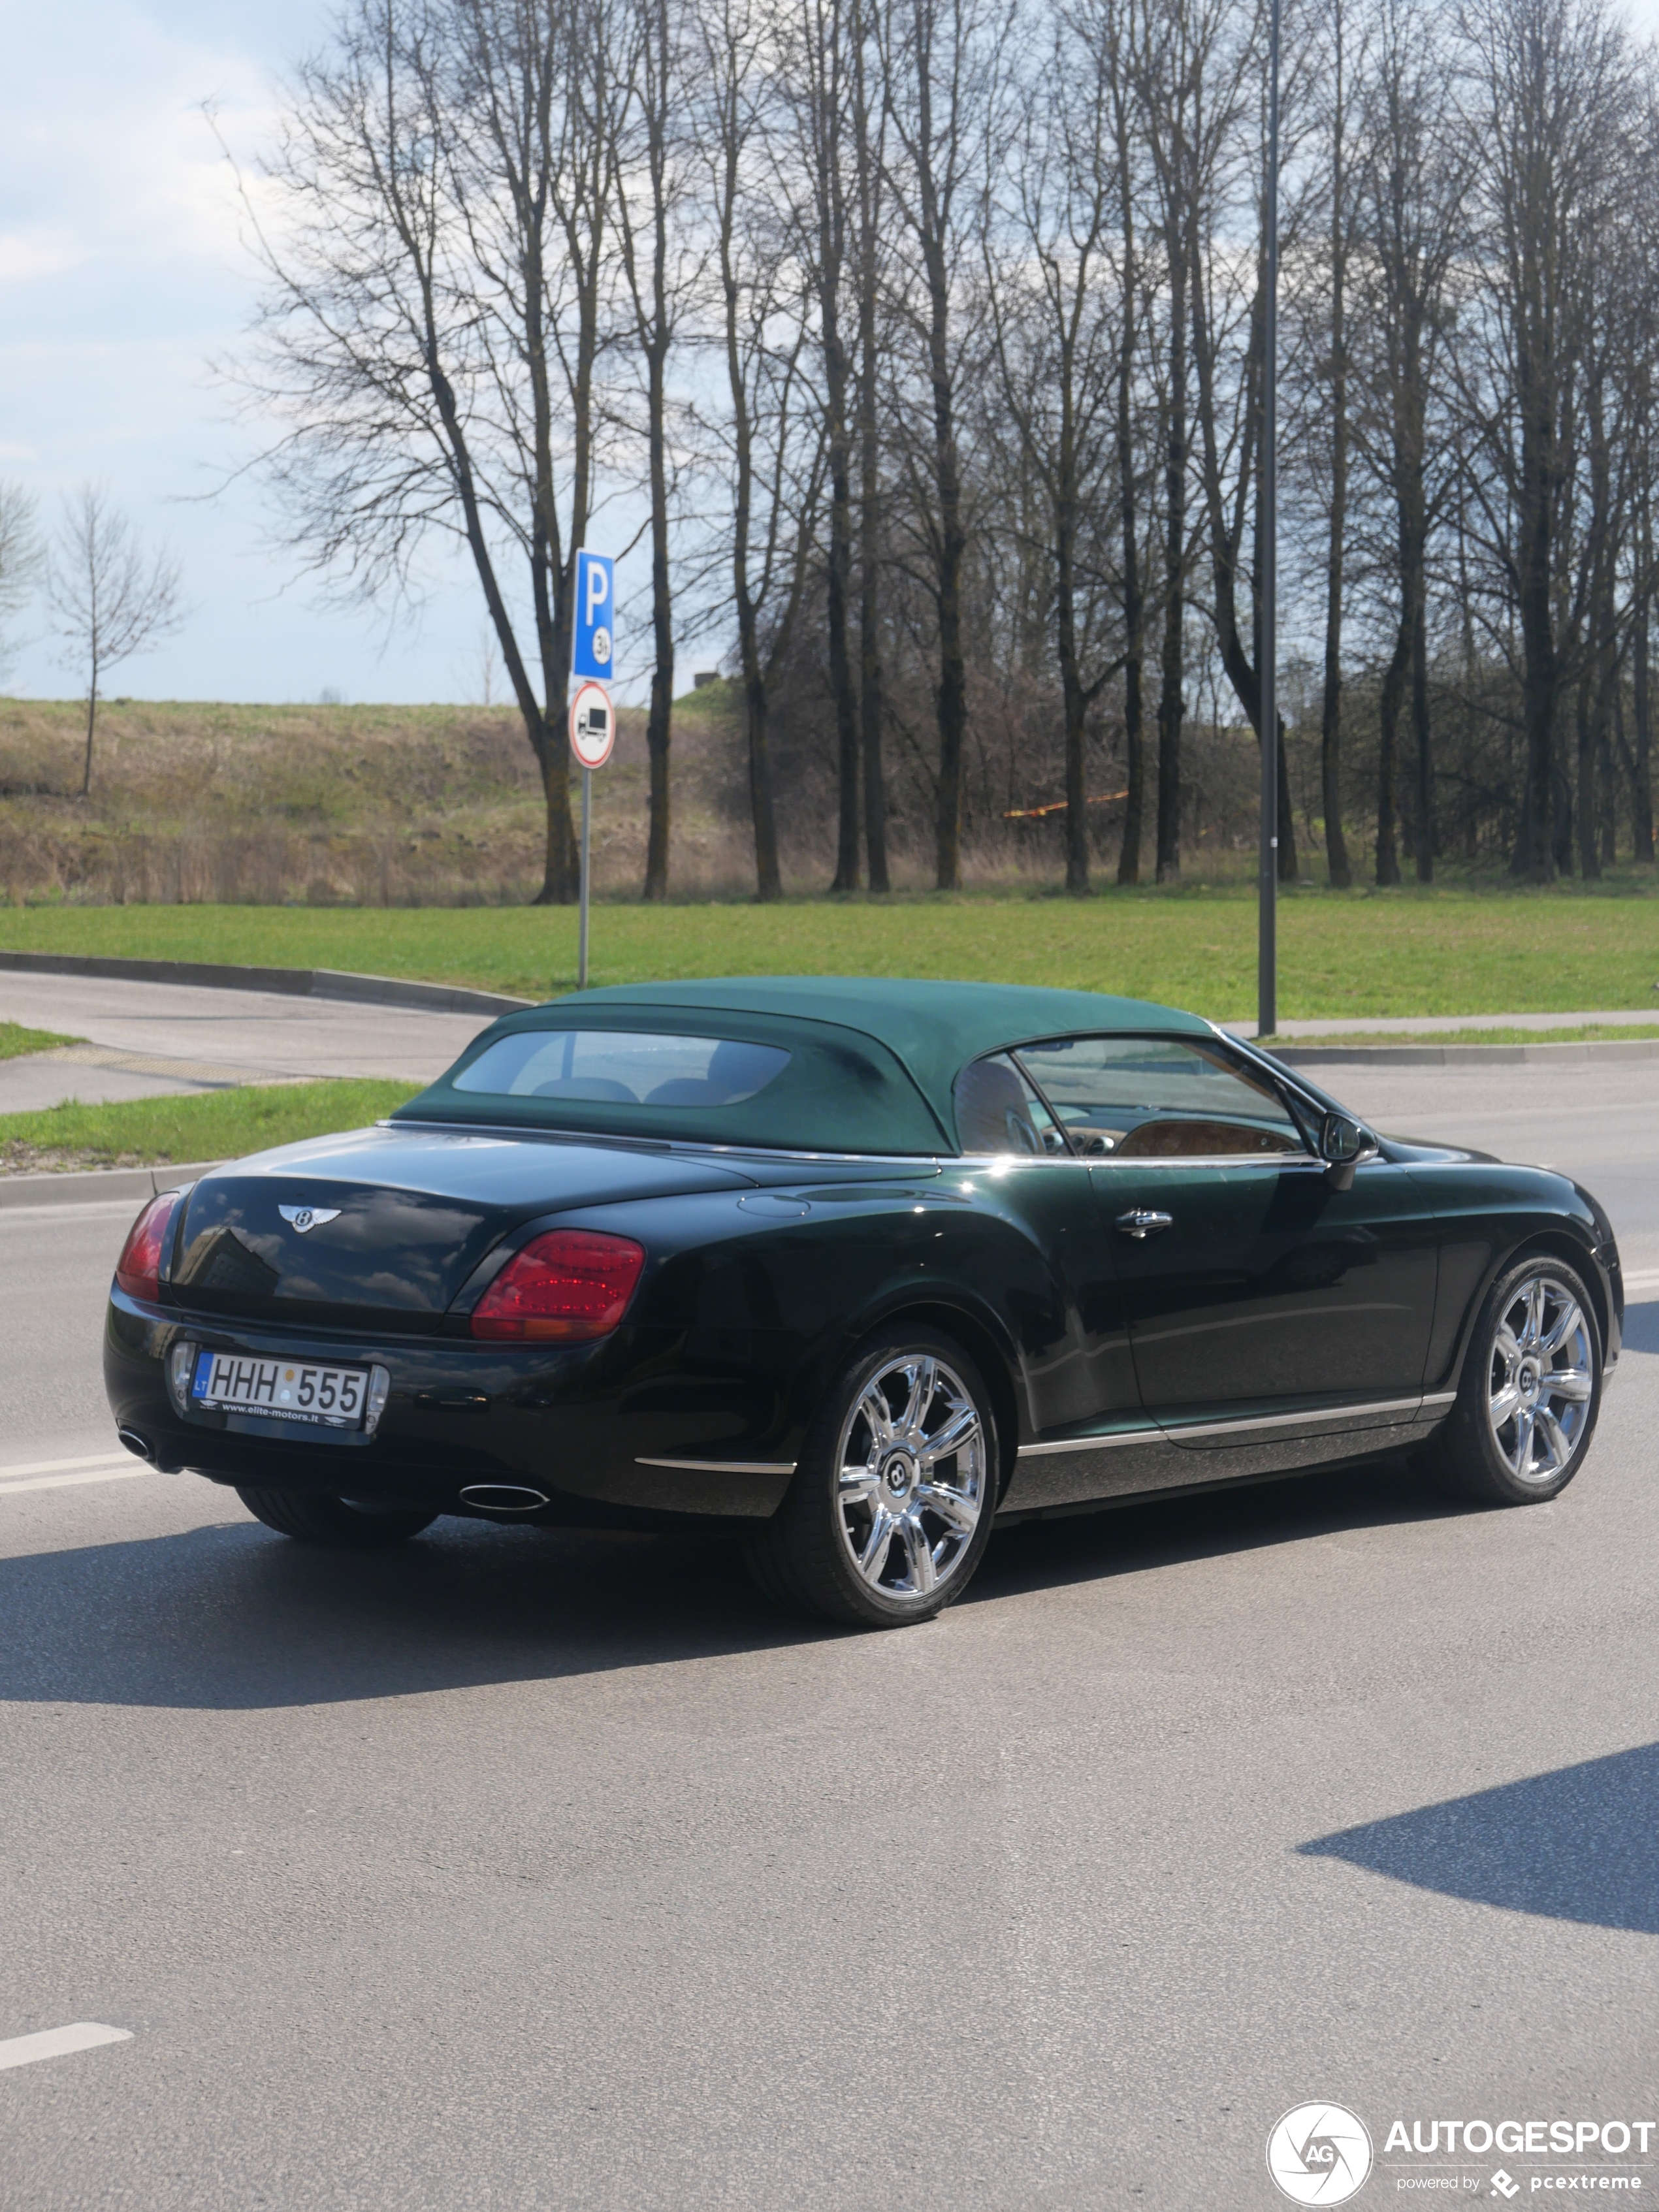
<point x="503" y="1497"/>
<point x="137" y="1443"/>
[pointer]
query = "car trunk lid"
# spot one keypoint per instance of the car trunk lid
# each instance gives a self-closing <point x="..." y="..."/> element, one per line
<point x="392" y="1223"/>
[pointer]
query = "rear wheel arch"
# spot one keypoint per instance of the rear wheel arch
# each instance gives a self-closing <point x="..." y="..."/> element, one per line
<point x="990" y="1356"/>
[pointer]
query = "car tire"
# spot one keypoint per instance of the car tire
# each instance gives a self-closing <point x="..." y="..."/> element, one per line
<point x="310" y="1517"/>
<point x="1530" y="1392"/>
<point x="898" y="1540"/>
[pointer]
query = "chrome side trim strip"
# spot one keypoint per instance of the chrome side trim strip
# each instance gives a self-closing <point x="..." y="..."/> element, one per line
<point x="1402" y="1405"/>
<point x="1405" y="1406"/>
<point x="1441" y="1398"/>
<point x="723" y="1466"/>
<point x="1146" y="1435"/>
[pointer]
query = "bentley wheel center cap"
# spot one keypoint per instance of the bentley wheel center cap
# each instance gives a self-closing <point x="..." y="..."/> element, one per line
<point x="1528" y="1381"/>
<point x="899" y="1475"/>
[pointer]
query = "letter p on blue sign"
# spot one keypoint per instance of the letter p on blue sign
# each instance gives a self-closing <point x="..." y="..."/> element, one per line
<point x="594" y="649"/>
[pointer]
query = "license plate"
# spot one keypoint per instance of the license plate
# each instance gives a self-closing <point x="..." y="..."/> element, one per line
<point x="281" y="1389"/>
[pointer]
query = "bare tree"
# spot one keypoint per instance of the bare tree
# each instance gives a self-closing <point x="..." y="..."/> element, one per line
<point x="818" y="80"/>
<point x="773" y="456"/>
<point x="435" y="313"/>
<point x="1550" y="82"/>
<point x="940" y="59"/>
<point x="22" y="558"/>
<point x="869" y="269"/>
<point x="109" y="598"/>
<point x="662" y="262"/>
<point x="1055" y="315"/>
<point x="1415" y="174"/>
<point x="1339" y="126"/>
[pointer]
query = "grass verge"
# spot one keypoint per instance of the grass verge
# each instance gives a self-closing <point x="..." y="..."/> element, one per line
<point x="16" y="1040"/>
<point x="1364" y="954"/>
<point x="212" y="1125"/>
<point x="1568" y="1033"/>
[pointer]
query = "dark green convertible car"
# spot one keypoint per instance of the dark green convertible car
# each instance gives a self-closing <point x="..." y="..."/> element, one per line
<point x="862" y="1269"/>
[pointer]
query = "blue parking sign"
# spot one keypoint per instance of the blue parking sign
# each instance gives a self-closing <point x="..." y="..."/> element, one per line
<point x="594" y="648"/>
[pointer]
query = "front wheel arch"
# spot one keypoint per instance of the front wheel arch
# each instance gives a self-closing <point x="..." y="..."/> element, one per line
<point x="1542" y="1243"/>
<point x="1466" y="1455"/>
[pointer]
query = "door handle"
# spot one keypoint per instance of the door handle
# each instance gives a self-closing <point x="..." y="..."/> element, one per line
<point x="1140" y="1222"/>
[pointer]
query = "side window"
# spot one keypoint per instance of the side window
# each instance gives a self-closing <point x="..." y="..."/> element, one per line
<point x="999" y="1111"/>
<point x="1156" y="1098"/>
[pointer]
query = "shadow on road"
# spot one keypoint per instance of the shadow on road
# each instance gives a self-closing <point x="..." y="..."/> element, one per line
<point x="234" y="1617"/>
<point x="1581" y="1843"/>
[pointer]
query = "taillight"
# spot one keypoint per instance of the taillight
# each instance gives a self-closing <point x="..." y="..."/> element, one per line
<point x="572" y="1285"/>
<point x="567" y="1286"/>
<point x="138" y="1270"/>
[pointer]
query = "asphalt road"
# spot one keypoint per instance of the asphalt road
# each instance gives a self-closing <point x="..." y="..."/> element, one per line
<point x="527" y="1870"/>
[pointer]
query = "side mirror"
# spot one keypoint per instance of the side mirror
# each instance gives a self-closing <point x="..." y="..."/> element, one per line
<point x="1343" y="1144"/>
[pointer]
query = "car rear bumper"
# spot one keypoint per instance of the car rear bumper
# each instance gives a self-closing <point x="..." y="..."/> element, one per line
<point x="611" y="1435"/>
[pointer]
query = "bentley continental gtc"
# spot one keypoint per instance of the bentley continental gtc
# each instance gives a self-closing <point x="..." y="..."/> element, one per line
<point x="860" y="1270"/>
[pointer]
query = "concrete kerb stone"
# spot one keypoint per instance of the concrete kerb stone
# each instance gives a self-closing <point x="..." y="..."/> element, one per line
<point x="1464" y="1055"/>
<point x="86" y="1185"/>
<point x="286" y="982"/>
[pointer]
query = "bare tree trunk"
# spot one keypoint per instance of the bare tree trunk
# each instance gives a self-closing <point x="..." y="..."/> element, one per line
<point x="820" y="58"/>
<point x="1394" y="691"/>
<point x="1134" y="608"/>
<point x="868" y="169"/>
<point x="654" y="92"/>
<point x="658" y="729"/>
<point x="1330" y="711"/>
<point x="1425" y="764"/>
<point x="953" y="550"/>
<point x="1640" y="767"/>
<point x="1070" y="681"/>
<point x="1171" y="706"/>
<point x="92" y="722"/>
<point x="1589" y="854"/>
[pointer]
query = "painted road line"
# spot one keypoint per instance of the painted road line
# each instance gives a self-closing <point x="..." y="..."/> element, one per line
<point x="1646" y="1279"/>
<point x="59" y="2041"/>
<point x="68" y="1481"/>
<point x="62" y="1466"/>
<point x="64" y="1474"/>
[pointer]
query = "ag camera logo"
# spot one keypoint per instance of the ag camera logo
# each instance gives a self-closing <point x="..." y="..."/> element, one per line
<point x="1319" y="2154"/>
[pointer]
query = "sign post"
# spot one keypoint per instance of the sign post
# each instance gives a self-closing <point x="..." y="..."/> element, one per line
<point x="593" y="724"/>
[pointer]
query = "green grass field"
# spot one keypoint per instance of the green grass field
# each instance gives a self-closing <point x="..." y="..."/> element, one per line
<point x="213" y="1125"/>
<point x="1359" y="954"/>
<point x="15" y="1040"/>
<point x="1563" y="1033"/>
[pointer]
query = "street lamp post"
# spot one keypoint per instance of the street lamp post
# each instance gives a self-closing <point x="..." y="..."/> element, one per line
<point x="1266" y="1018"/>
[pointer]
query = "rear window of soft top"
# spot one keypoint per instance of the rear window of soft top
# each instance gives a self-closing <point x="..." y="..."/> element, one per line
<point x="623" y="1067"/>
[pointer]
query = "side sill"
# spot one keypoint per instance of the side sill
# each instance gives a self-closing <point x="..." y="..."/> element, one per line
<point x="722" y="1466"/>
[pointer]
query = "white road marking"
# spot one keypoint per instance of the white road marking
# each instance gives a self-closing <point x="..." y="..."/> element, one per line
<point x="60" y="1474"/>
<point x="1646" y="1279"/>
<point x="59" y="2041"/>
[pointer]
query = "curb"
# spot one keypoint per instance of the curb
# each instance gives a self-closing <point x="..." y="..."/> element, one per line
<point x="80" y="1186"/>
<point x="287" y="983"/>
<point x="1463" y="1055"/>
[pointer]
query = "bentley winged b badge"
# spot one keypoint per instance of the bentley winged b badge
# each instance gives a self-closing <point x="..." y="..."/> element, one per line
<point x="301" y="1217"/>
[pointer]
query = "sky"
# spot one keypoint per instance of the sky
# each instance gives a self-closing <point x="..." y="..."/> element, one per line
<point x="123" y="279"/>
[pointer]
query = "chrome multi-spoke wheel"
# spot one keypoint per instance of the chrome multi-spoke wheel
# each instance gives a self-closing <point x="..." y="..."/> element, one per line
<point x="1541" y="1379"/>
<point x="1530" y="1391"/>
<point x="891" y="1504"/>
<point x="912" y="1465"/>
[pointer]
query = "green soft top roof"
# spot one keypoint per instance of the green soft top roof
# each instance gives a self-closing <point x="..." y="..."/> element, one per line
<point x="873" y="1059"/>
